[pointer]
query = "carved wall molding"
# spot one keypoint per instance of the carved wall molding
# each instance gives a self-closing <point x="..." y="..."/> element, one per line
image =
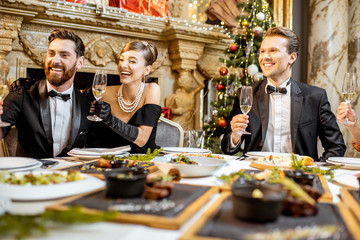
<point x="36" y="53"/>
<point x="101" y="51"/>
<point x="176" y="8"/>
<point x="9" y="27"/>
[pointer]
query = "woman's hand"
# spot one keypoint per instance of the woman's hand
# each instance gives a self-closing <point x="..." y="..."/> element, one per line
<point x="101" y="109"/>
<point x="344" y="112"/>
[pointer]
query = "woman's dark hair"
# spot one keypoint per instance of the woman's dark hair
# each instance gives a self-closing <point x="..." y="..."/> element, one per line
<point x="66" y="34"/>
<point x="149" y="50"/>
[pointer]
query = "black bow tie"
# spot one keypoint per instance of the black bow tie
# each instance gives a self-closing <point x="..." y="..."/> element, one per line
<point x="271" y="89"/>
<point x="64" y="97"/>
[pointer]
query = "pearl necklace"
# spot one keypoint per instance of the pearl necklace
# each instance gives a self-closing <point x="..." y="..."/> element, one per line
<point x="130" y="107"/>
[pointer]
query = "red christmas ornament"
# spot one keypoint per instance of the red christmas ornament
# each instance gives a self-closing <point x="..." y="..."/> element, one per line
<point x="220" y="87"/>
<point x="258" y="32"/>
<point x="223" y="71"/>
<point x="233" y="47"/>
<point x="221" y="122"/>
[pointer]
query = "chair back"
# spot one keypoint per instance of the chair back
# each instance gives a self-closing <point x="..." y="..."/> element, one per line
<point x="169" y="133"/>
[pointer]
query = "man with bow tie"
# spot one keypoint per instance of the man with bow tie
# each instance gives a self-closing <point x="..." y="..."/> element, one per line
<point x="51" y="115"/>
<point x="286" y="116"/>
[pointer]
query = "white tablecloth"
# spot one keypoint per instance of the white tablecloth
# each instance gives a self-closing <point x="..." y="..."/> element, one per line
<point x="107" y="230"/>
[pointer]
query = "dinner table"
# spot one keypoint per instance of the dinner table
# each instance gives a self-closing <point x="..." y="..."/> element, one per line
<point x="132" y="231"/>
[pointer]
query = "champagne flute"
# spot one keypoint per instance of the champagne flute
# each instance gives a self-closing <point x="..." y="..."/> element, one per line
<point x="3" y="88"/>
<point x="246" y="101"/>
<point x="349" y="90"/>
<point x="98" y="90"/>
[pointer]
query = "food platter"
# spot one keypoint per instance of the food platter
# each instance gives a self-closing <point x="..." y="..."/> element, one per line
<point x="206" y="166"/>
<point x="50" y="191"/>
<point x="283" y="161"/>
<point x="91" y="167"/>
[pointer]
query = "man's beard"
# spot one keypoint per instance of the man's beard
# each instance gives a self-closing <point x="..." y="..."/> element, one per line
<point x="58" y="81"/>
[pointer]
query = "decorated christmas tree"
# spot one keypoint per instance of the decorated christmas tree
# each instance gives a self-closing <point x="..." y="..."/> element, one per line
<point x="240" y="65"/>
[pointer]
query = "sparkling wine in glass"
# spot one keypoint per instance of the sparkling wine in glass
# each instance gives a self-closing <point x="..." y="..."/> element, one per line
<point x="349" y="88"/>
<point x="98" y="90"/>
<point x="246" y="101"/>
<point x="3" y="88"/>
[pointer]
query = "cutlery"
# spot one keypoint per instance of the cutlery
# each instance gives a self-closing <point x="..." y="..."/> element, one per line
<point x="48" y="163"/>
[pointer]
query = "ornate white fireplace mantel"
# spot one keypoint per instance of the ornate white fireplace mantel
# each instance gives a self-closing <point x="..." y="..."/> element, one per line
<point x="185" y="48"/>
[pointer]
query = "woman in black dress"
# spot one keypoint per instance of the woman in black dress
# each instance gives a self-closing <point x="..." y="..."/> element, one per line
<point x="130" y="112"/>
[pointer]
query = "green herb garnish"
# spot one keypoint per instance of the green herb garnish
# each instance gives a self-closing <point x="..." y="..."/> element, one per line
<point x="141" y="157"/>
<point x="297" y="165"/>
<point x="229" y="179"/>
<point x="19" y="226"/>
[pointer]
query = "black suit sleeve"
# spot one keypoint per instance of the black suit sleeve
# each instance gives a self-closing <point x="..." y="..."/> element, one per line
<point x="329" y="132"/>
<point x="11" y="109"/>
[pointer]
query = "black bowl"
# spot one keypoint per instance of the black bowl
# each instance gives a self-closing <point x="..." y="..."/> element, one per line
<point x="125" y="183"/>
<point x="265" y="209"/>
<point x="119" y="163"/>
<point x="305" y="179"/>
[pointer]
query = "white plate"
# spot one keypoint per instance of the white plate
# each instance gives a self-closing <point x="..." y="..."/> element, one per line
<point x="345" y="160"/>
<point x="84" y="157"/>
<point x="264" y="154"/>
<point x="37" y="165"/>
<point x="345" y="165"/>
<point x="7" y="163"/>
<point x="207" y="166"/>
<point x="53" y="191"/>
<point x="184" y="150"/>
<point x="348" y="180"/>
<point x="99" y="151"/>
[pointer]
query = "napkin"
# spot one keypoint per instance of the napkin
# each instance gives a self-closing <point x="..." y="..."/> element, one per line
<point x="99" y="151"/>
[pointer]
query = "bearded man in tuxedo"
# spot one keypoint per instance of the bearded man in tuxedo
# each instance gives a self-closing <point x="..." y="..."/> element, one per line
<point x="286" y="116"/>
<point x="50" y="116"/>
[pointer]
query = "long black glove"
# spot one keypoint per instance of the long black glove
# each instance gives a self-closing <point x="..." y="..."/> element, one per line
<point x="88" y="94"/>
<point x="103" y="111"/>
<point x="20" y="83"/>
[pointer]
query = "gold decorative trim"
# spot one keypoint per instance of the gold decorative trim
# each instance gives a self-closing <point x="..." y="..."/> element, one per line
<point x="283" y="12"/>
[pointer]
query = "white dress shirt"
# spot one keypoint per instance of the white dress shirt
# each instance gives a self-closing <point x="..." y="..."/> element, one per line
<point x="61" y="115"/>
<point x="278" y="134"/>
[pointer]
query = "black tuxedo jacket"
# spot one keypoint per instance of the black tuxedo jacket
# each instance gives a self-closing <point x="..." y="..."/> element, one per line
<point x="29" y="110"/>
<point x="311" y="117"/>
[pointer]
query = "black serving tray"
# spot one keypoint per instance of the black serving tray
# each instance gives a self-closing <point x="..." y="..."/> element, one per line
<point x="168" y="213"/>
<point x="222" y="223"/>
